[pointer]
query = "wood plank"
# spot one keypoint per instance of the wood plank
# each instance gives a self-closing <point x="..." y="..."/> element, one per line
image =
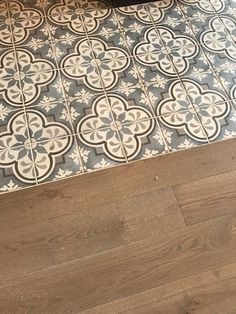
<point x="215" y="298"/>
<point x="85" y="232"/>
<point x="55" y="199"/>
<point x="207" y="198"/>
<point x="163" y="299"/>
<point x="175" y="168"/>
<point x="80" y="285"/>
<point x="61" y="197"/>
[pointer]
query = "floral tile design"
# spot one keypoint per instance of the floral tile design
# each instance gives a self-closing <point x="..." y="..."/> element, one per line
<point x="56" y="158"/>
<point x="218" y="120"/>
<point x="84" y="86"/>
<point x="16" y="159"/>
<point x="101" y="147"/>
<point x="49" y="119"/>
<point x="182" y="130"/>
<point x="169" y="97"/>
<point x="90" y="112"/>
<point x="142" y="139"/>
<point x="133" y="16"/>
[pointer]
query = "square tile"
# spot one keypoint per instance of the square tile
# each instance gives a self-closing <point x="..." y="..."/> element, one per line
<point x="230" y="24"/>
<point x="16" y="169"/>
<point x="65" y="25"/>
<point x="142" y="139"/>
<point x="133" y="16"/>
<point x="10" y="93"/>
<point x="169" y="97"/>
<point x="90" y="112"/>
<point x="8" y="63"/>
<point x="165" y="12"/>
<point x="101" y="148"/>
<point x="155" y="66"/>
<point x="14" y="131"/>
<point x="182" y="130"/>
<point x="145" y="40"/>
<point x="227" y="78"/>
<point x="190" y="60"/>
<point x="44" y="126"/>
<point x="41" y="86"/>
<point x="218" y="121"/>
<point x="16" y="163"/>
<point x="56" y="159"/>
<point x="224" y="7"/>
<point x="80" y="68"/>
<point x="205" y="91"/>
<point x="76" y="78"/>
<point x="62" y="7"/>
<point x="109" y="42"/>
<point x="172" y="29"/>
<point x="196" y="9"/>
<point x="84" y="86"/>
<point x="99" y="20"/>
<point x="30" y="31"/>
<point x="26" y="8"/>
<point x="94" y="5"/>
<point x="65" y="46"/>
<point x="38" y="56"/>
<point x="208" y="30"/>
<point x="130" y="105"/>
<point x="104" y="49"/>
<point x="10" y="86"/>
<point x="6" y="39"/>
<point x="221" y="59"/>
<point x="119" y="74"/>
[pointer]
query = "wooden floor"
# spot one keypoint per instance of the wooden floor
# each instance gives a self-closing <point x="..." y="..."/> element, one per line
<point x="154" y="236"/>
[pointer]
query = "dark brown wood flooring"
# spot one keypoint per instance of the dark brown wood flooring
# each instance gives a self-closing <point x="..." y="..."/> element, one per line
<point x="154" y="236"/>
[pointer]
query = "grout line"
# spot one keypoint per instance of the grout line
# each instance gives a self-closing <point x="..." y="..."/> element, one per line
<point x="23" y="102"/>
<point x="177" y="75"/>
<point x="64" y="95"/>
<point x="144" y="88"/>
<point x="66" y="100"/>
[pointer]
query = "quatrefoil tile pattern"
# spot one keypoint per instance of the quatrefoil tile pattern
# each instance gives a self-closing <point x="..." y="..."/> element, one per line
<point x="84" y="86"/>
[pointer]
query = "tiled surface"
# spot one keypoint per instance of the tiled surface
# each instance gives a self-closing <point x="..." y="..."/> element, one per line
<point x="84" y="86"/>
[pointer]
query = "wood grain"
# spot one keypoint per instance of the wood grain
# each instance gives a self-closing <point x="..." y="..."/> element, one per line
<point x="84" y="232"/>
<point x="157" y="300"/>
<point x="115" y="241"/>
<point x="80" y="285"/>
<point x="59" y="198"/>
<point x="207" y="198"/>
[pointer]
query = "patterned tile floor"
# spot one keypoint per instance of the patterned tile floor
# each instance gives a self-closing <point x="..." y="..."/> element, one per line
<point x="84" y="86"/>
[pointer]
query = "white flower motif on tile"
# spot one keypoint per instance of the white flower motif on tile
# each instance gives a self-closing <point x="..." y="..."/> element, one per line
<point x="45" y="145"/>
<point x="177" y="112"/>
<point x="83" y="64"/>
<point x="4" y="111"/>
<point x="62" y="174"/>
<point x="18" y="22"/>
<point x="102" y="164"/>
<point x="25" y="83"/>
<point x="216" y="38"/>
<point x="101" y="131"/>
<point x="151" y="52"/>
<point x="11" y="186"/>
<point x="206" y="5"/>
